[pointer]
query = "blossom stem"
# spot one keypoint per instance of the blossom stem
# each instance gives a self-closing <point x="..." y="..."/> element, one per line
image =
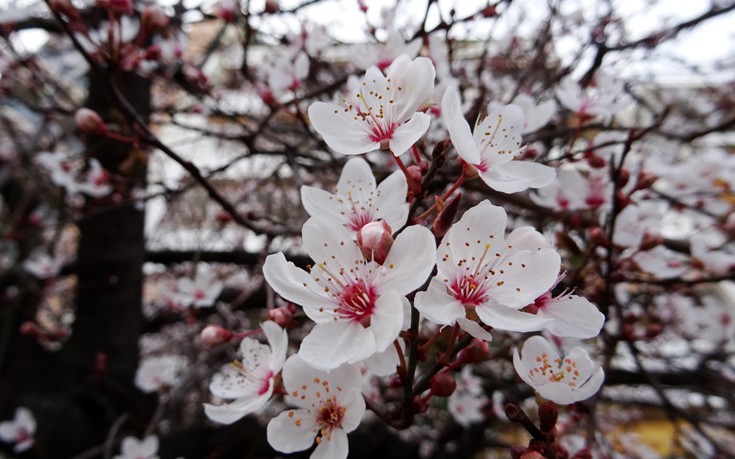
<point x="120" y="137"/>
<point x="416" y="154"/>
<point x="412" y="184"/>
<point x="446" y="196"/>
<point x="401" y="358"/>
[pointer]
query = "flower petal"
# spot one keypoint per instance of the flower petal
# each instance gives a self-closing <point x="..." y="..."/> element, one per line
<point x="334" y="446"/>
<point x="572" y="316"/>
<point x="293" y="284"/>
<point x="515" y="176"/>
<point x="437" y="305"/>
<point x="354" y="409"/>
<point x="227" y="413"/>
<point x="331" y="344"/>
<point x="340" y="131"/>
<point x="386" y="320"/>
<point x="410" y="260"/>
<point x="320" y="203"/>
<point x="474" y="329"/>
<point x="390" y="200"/>
<point x="525" y="276"/>
<point x="459" y="129"/>
<point x="330" y="246"/>
<point x="409" y="133"/>
<point x="357" y="180"/>
<point x="291" y="431"/>
<point x="505" y="318"/>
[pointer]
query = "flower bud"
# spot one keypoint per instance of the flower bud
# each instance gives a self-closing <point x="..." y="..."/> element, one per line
<point x="282" y="316"/>
<point x="214" y="334"/>
<point x="533" y="455"/>
<point x="375" y="240"/>
<point x="443" y="384"/>
<point x="153" y="18"/>
<point x="446" y="217"/>
<point x="477" y="351"/>
<point x="272" y="6"/>
<point x="89" y="121"/>
<point x="65" y="7"/>
<point x="548" y="414"/>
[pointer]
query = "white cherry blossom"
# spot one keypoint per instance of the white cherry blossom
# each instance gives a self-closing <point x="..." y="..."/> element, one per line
<point x="202" y="291"/>
<point x="561" y="380"/>
<point x="330" y="405"/>
<point x="467" y="401"/>
<point x="573" y="191"/>
<point x="132" y="448"/>
<point x="20" y="430"/>
<point x="604" y="96"/>
<point x="249" y="381"/>
<point x="42" y="265"/>
<point x="357" y="304"/>
<point x="380" y="111"/>
<point x="357" y="200"/>
<point x="484" y="275"/>
<point x="493" y="146"/>
<point x="157" y="372"/>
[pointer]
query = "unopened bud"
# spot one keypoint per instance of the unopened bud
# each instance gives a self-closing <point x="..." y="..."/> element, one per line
<point x="414" y="176"/>
<point x="477" y="351"/>
<point x="533" y="455"/>
<point x="548" y="414"/>
<point x="597" y="236"/>
<point x="214" y="334"/>
<point x="153" y="18"/>
<point x="89" y="121"/>
<point x="375" y="240"/>
<point x="282" y="316"/>
<point x="583" y="453"/>
<point x="272" y="6"/>
<point x="623" y="178"/>
<point x="446" y="217"/>
<point x="443" y="384"/>
<point x="490" y="12"/>
<point x="645" y="180"/>
<point x="650" y="241"/>
<point x="65" y="7"/>
<point x="653" y="330"/>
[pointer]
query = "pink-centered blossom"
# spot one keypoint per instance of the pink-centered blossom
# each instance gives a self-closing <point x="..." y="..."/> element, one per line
<point x="20" y="430"/>
<point x="357" y="304"/>
<point x="493" y="146"/>
<point x="202" y="291"/>
<point x="249" y="382"/>
<point x="329" y="406"/>
<point x="357" y="200"/>
<point x="379" y="112"/>
<point x="562" y="380"/>
<point x="482" y="275"/>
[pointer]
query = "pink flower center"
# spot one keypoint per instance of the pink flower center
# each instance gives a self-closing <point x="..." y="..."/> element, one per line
<point x="357" y="302"/>
<point x="199" y="295"/>
<point x="359" y="219"/>
<point x="469" y="291"/>
<point x="266" y="383"/>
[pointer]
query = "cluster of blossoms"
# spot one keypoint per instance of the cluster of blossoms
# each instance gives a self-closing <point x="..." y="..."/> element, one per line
<point x="369" y="290"/>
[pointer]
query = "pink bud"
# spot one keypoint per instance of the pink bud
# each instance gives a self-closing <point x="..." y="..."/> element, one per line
<point x="375" y="240"/>
<point x="282" y="316"/>
<point x="443" y="384"/>
<point x="89" y="121"/>
<point x="153" y="18"/>
<point x="477" y="351"/>
<point x="214" y="334"/>
<point x="272" y="6"/>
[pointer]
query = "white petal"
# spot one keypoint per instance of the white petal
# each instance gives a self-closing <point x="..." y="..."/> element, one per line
<point x="516" y="176"/>
<point x="474" y="329"/>
<point x="292" y="283"/>
<point x="437" y="305"/>
<point x="410" y="260"/>
<point x="330" y="246"/>
<point x="8" y="431"/>
<point x="527" y="238"/>
<point x="459" y="130"/>
<point x="573" y="317"/>
<point x="231" y="383"/>
<point x="357" y="179"/>
<point x="386" y="320"/>
<point x="557" y="392"/>
<point x="591" y="387"/>
<point x="340" y="131"/>
<point x="481" y="225"/>
<point x="416" y="81"/>
<point x="526" y="276"/>
<point x="409" y="133"/>
<point x="498" y="136"/>
<point x="278" y="341"/>
<point x="333" y="343"/>
<point x="382" y="363"/>
<point x="354" y="409"/>
<point x="227" y="413"/>
<point x="504" y="318"/>
<point x="390" y="200"/>
<point x="24" y="418"/>
<point x="333" y="447"/>
<point x="286" y="436"/>
<point x="320" y="203"/>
